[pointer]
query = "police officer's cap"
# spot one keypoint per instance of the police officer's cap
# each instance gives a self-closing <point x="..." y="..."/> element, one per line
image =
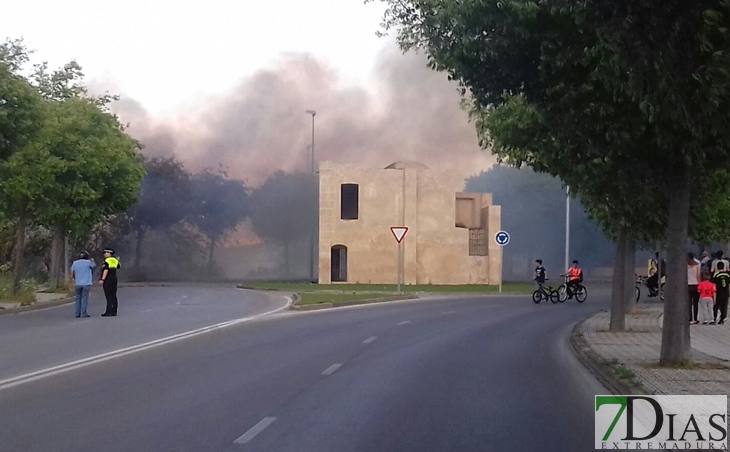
<point x="109" y="250"/>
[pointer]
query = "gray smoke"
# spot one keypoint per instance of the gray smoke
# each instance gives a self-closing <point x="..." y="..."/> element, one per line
<point x="411" y="113"/>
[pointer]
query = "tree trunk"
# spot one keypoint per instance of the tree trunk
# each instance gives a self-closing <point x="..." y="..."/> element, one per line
<point x="676" y="347"/>
<point x="210" y="254"/>
<point x="630" y="276"/>
<point x="618" y="319"/>
<point x="19" y="252"/>
<point x="56" y="252"/>
<point x="138" y="247"/>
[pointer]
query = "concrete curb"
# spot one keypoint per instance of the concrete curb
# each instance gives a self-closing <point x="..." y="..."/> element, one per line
<point x="597" y="366"/>
<point x="342" y="304"/>
<point x="37" y="306"/>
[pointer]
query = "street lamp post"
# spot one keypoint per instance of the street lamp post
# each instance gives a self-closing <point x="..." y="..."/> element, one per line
<point x="567" y="227"/>
<point x="311" y="172"/>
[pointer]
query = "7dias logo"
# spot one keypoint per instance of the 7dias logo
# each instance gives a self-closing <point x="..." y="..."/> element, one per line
<point x="661" y="422"/>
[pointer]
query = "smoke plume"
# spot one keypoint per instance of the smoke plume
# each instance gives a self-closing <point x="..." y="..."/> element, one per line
<point x="411" y="113"/>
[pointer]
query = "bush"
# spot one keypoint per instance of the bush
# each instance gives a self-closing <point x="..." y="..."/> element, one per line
<point x="26" y="295"/>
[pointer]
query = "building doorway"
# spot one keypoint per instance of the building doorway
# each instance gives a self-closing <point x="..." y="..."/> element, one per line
<point x="339" y="263"/>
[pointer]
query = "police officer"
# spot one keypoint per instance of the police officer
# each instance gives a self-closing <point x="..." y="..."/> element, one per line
<point x="109" y="282"/>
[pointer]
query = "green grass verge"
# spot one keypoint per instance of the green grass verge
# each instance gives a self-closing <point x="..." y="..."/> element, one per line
<point x="308" y="298"/>
<point x="513" y="288"/>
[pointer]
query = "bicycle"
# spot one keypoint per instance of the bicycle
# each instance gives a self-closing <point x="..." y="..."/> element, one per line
<point x="546" y="292"/>
<point x="642" y="281"/>
<point x="580" y="294"/>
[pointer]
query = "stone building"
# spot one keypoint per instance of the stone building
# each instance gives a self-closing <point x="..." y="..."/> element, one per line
<point x="450" y="238"/>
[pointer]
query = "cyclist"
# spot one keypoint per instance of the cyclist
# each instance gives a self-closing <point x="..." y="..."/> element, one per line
<point x="540" y="274"/>
<point x="575" y="277"/>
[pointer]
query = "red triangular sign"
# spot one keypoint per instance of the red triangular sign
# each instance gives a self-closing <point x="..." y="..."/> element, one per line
<point x="399" y="233"/>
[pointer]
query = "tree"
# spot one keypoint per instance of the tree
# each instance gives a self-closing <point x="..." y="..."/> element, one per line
<point x="284" y="210"/>
<point x="596" y="78"/>
<point x="162" y="200"/>
<point x="82" y="168"/>
<point x="217" y="206"/>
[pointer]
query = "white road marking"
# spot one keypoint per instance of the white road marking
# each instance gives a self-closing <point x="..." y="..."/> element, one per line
<point x="73" y="365"/>
<point x="369" y="340"/>
<point x="255" y="430"/>
<point x="404" y="322"/>
<point x="331" y="369"/>
<point x="449" y="312"/>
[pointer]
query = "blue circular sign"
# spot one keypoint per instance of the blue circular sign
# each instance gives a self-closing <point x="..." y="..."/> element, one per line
<point x="502" y="238"/>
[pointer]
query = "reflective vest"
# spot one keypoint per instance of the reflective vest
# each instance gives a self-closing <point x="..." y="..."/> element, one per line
<point x="574" y="273"/>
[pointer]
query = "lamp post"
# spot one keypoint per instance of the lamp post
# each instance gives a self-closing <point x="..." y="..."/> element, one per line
<point x="311" y="172"/>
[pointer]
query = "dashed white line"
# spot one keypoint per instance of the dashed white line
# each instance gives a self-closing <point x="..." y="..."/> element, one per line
<point x="255" y="430"/>
<point x="369" y="340"/>
<point x="331" y="369"/>
<point x="404" y="322"/>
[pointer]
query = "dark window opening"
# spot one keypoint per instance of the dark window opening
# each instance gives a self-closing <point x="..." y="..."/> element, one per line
<point x="477" y="242"/>
<point x="349" y="201"/>
<point x="339" y="263"/>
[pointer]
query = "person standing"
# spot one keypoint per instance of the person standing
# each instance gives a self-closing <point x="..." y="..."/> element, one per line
<point x="109" y="282"/>
<point x="82" y="277"/>
<point x="720" y="258"/>
<point x="693" y="281"/>
<point x="707" y="292"/>
<point x="722" y="284"/>
<point x="540" y="274"/>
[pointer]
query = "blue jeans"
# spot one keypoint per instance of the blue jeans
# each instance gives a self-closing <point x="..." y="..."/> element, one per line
<point x="82" y="300"/>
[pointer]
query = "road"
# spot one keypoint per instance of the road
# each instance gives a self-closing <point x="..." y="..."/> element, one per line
<point x="40" y="339"/>
<point x="477" y="374"/>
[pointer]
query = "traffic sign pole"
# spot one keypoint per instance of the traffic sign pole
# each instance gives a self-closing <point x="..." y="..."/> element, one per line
<point x="399" y="233"/>
<point x="502" y="239"/>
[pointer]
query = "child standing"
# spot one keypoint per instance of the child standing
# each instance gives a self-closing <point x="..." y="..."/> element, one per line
<point x="708" y="294"/>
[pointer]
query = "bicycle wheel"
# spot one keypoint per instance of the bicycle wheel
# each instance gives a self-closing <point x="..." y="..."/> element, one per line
<point x="554" y="296"/>
<point x="537" y="296"/>
<point x="581" y="294"/>
<point x="562" y="293"/>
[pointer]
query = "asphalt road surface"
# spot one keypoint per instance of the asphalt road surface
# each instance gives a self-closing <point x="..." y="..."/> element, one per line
<point x="36" y="340"/>
<point x="479" y="374"/>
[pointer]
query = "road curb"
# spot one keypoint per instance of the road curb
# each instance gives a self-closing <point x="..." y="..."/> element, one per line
<point x="343" y="304"/>
<point x="597" y="366"/>
<point x="37" y="306"/>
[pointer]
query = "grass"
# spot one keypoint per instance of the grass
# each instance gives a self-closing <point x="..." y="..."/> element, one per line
<point x="514" y="288"/>
<point x="308" y="298"/>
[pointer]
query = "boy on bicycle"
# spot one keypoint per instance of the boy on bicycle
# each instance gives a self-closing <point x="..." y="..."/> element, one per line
<point x="575" y="277"/>
<point x="540" y="274"/>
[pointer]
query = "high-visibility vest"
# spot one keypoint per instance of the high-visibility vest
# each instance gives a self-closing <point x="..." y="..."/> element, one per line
<point x="574" y="273"/>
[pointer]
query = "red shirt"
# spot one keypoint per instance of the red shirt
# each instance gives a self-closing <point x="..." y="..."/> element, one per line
<point x="706" y="289"/>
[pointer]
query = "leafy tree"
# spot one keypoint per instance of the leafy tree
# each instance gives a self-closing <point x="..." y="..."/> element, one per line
<point x="217" y="206"/>
<point x="162" y="201"/>
<point x="284" y="210"/>
<point x="82" y="168"/>
<point x="636" y="90"/>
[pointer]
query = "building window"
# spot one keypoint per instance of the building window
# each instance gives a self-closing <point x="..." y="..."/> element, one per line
<point x="338" y="262"/>
<point x="349" y="201"/>
<point x="477" y="242"/>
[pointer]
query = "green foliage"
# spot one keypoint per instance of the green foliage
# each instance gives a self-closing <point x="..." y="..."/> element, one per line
<point x="26" y="294"/>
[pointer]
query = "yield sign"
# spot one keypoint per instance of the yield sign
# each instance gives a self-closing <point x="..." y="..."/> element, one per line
<point x="399" y="233"/>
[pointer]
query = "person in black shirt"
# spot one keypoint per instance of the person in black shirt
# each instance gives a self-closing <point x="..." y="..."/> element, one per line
<point x="722" y="283"/>
<point x="109" y="282"/>
<point x="539" y="274"/>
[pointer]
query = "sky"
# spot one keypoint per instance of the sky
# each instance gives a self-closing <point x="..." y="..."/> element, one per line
<point x="168" y="54"/>
<point x="223" y="82"/>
